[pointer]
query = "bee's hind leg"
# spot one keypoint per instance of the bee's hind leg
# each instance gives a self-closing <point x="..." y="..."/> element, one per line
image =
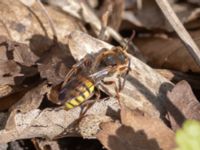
<point x="89" y="103"/>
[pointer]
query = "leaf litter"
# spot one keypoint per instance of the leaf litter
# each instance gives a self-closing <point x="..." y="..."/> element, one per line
<point x="33" y="64"/>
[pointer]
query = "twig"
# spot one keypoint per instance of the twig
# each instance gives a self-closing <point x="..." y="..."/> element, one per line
<point x="104" y="22"/>
<point x="49" y="19"/>
<point x="180" y="29"/>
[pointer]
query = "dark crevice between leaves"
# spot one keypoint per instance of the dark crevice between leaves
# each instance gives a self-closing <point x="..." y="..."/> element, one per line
<point x="77" y="143"/>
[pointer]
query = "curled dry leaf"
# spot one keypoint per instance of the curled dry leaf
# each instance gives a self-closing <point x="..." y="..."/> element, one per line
<point x="16" y="61"/>
<point x="53" y="64"/>
<point x="5" y="90"/>
<point x="51" y="123"/>
<point x="7" y="101"/>
<point x="28" y="2"/>
<point x="117" y="10"/>
<point x="182" y="104"/>
<point x="137" y="131"/>
<point x="22" y="22"/>
<point x="31" y="100"/>
<point x="149" y="15"/>
<point x="168" y="53"/>
<point x="194" y="1"/>
<point x="176" y="76"/>
<point x="81" y="44"/>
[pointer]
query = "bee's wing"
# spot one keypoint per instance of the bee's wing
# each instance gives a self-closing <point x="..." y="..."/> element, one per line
<point x="73" y="71"/>
<point x="102" y="73"/>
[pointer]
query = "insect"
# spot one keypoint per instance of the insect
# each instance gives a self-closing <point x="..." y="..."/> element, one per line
<point x="89" y="73"/>
<point x="80" y="87"/>
<point x="83" y="79"/>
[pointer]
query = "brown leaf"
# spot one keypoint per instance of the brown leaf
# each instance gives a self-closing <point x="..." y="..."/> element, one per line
<point x="182" y="104"/>
<point x="31" y="21"/>
<point x="53" y="65"/>
<point x="23" y="55"/>
<point x="31" y="100"/>
<point x="50" y="122"/>
<point x="194" y="1"/>
<point x="176" y="76"/>
<point x="137" y="132"/>
<point x="168" y="53"/>
<point x="148" y="14"/>
<point x="15" y="62"/>
<point x="5" y="90"/>
<point x="8" y="101"/>
<point x="81" y="44"/>
<point x="8" y="71"/>
<point x="115" y="17"/>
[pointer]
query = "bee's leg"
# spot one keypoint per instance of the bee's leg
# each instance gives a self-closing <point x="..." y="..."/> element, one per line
<point x="115" y="86"/>
<point x="105" y="90"/>
<point x="128" y="69"/>
<point x="59" y="108"/>
<point x="89" y="103"/>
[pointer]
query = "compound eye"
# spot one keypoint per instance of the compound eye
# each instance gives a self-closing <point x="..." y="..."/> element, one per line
<point x="121" y="57"/>
<point x="110" y="60"/>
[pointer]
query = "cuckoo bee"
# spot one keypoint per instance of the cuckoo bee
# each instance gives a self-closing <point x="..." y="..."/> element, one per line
<point x="79" y="87"/>
<point x="82" y="81"/>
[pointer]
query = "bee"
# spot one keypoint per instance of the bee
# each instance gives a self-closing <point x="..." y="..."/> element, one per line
<point x="85" y="77"/>
<point x="80" y="87"/>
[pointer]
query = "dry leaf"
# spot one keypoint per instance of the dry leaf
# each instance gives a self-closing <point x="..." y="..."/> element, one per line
<point x="28" y="2"/>
<point x="194" y="1"/>
<point x="8" y="101"/>
<point x="115" y="16"/>
<point x="31" y="100"/>
<point x="16" y="62"/>
<point x="23" y="55"/>
<point x="51" y="123"/>
<point x="168" y="53"/>
<point x="53" y="65"/>
<point x="21" y="22"/>
<point x="148" y="15"/>
<point x="136" y="132"/>
<point x="176" y="76"/>
<point x="182" y="104"/>
<point x="5" y="90"/>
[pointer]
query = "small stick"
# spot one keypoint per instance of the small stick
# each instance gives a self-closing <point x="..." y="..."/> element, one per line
<point x="49" y="19"/>
<point x="104" y="22"/>
<point x="180" y="30"/>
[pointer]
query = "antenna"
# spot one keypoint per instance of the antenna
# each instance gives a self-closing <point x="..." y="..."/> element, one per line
<point x="129" y="40"/>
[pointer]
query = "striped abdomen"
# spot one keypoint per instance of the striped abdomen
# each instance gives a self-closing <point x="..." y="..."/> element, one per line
<point x="76" y="91"/>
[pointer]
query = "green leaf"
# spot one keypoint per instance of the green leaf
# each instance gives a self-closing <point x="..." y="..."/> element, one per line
<point x="188" y="138"/>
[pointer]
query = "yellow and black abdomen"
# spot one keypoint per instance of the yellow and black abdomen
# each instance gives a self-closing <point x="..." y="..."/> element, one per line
<point x="76" y="91"/>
